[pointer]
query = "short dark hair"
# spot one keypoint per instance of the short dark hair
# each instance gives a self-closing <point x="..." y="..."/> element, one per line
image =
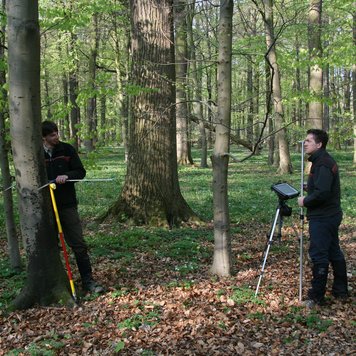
<point x="319" y="136"/>
<point x="48" y="127"/>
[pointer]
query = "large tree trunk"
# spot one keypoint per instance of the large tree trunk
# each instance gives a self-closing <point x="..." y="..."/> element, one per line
<point x="222" y="240"/>
<point x="151" y="193"/>
<point x="46" y="280"/>
<point x="285" y="165"/>
<point x="181" y="51"/>
<point x="12" y="240"/>
<point x="315" y="115"/>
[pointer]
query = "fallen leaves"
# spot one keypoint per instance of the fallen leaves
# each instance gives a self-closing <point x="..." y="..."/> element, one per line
<point x="158" y="312"/>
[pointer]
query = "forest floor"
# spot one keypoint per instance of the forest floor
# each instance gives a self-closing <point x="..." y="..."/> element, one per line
<point x="160" y="304"/>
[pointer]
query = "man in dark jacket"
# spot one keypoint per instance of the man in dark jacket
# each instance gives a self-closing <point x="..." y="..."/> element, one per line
<point x="324" y="215"/>
<point x="63" y="164"/>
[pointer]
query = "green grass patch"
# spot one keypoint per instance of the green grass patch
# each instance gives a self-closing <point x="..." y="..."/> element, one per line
<point x="311" y="321"/>
<point x="138" y="320"/>
<point x="256" y="316"/>
<point x="45" y="347"/>
<point x="243" y="295"/>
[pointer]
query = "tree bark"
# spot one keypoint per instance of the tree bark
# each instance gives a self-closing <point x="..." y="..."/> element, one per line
<point x="315" y="114"/>
<point x="249" y="126"/>
<point x="73" y="95"/>
<point x="285" y="165"/>
<point x="151" y="193"/>
<point x="271" y="139"/>
<point x="354" y="83"/>
<point x="181" y="52"/>
<point x="196" y="78"/>
<point x="46" y="280"/>
<point x="91" y="117"/>
<point x="220" y="159"/>
<point x="122" y="69"/>
<point x="12" y="239"/>
<point x="65" y="134"/>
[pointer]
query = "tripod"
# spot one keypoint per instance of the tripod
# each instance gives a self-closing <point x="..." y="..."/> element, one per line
<point x="282" y="210"/>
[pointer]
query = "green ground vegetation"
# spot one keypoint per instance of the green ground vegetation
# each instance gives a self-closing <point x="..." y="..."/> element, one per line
<point x="252" y="204"/>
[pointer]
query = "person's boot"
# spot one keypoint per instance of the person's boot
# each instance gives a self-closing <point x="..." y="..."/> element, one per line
<point x="91" y="286"/>
<point x="85" y="270"/>
<point x="318" y="285"/>
<point x="339" y="288"/>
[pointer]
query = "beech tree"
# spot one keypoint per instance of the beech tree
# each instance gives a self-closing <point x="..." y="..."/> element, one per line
<point x="315" y="115"/>
<point x="354" y="84"/>
<point x="196" y="78"/>
<point x="151" y="192"/>
<point x="91" y="114"/>
<point x="12" y="240"/>
<point x="220" y="158"/>
<point x="181" y="59"/>
<point x="46" y="279"/>
<point x="285" y="165"/>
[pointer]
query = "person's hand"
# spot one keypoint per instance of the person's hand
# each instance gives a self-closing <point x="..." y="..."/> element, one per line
<point x="301" y="201"/>
<point x="61" y="179"/>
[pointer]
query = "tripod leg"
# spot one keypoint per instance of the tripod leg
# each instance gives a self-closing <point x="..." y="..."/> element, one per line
<point x="267" y="249"/>
<point x="280" y="224"/>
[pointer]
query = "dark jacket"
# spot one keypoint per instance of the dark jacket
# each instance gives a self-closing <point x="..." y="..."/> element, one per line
<point x="323" y="197"/>
<point x="64" y="160"/>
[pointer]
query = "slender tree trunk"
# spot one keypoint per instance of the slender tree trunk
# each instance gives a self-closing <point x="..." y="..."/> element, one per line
<point x="271" y="139"/>
<point x="46" y="280"/>
<point x="12" y="240"/>
<point x="315" y="115"/>
<point x="65" y="126"/>
<point x="47" y="99"/>
<point x="197" y="89"/>
<point x="91" y="117"/>
<point x="222" y="240"/>
<point x="180" y="15"/>
<point x="326" y="86"/>
<point x="354" y="83"/>
<point x="249" y="127"/>
<point x="210" y="75"/>
<point x="298" y="85"/>
<point x="122" y="61"/>
<point x="73" y="95"/>
<point x="102" y="124"/>
<point x="151" y="193"/>
<point x="347" y="92"/>
<point x="285" y="165"/>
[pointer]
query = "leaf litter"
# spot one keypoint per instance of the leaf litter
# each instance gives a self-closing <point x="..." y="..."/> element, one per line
<point x="151" y="308"/>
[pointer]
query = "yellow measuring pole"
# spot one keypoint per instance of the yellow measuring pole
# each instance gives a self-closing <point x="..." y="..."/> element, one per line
<point x="52" y="187"/>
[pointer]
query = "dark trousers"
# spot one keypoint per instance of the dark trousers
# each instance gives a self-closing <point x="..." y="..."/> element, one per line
<point x="73" y="235"/>
<point x="324" y="249"/>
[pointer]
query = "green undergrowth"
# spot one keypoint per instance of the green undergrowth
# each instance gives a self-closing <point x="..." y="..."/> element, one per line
<point x="181" y="245"/>
<point x="252" y="206"/>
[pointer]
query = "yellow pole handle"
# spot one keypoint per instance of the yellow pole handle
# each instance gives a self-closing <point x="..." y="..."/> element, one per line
<point x="52" y="187"/>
